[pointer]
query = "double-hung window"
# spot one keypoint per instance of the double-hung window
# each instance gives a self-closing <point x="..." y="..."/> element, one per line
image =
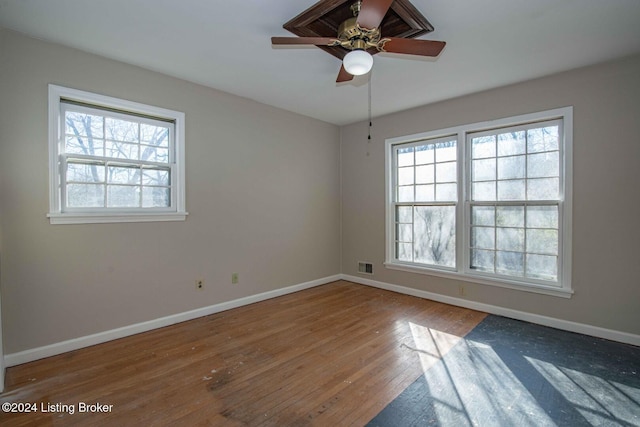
<point x="113" y="160"/>
<point x="488" y="202"/>
<point x="426" y="196"/>
<point x="515" y="201"/>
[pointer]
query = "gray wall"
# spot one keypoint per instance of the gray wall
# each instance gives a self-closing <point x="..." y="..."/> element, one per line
<point x="262" y="191"/>
<point x="606" y="219"/>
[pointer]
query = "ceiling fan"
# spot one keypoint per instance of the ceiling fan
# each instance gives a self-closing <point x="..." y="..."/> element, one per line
<point x="360" y="36"/>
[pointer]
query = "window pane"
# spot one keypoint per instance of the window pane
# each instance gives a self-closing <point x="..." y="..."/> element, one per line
<point x="542" y="267"/>
<point x="155" y="177"/>
<point x="511" y="143"/>
<point x="446" y="151"/>
<point x="542" y="217"/>
<point x="153" y="154"/>
<point x="510" y="216"/>
<point x="85" y="172"/>
<point x="123" y="175"/>
<point x="425" y="154"/>
<point x="511" y="190"/>
<point x="484" y="191"/>
<point x="154" y="135"/>
<point x="483" y="215"/>
<point x="434" y="235"/>
<point x="424" y="174"/>
<point x="543" y="165"/>
<point x="84" y="145"/>
<point x="543" y="189"/>
<point x="121" y="130"/>
<point x="404" y="251"/>
<point x="425" y="193"/>
<point x="483" y="147"/>
<point x="542" y="241"/>
<point x="121" y="150"/>
<point x="156" y="197"/>
<point x="446" y="172"/>
<point x="483" y="237"/>
<point x="482" y="260"/>
<point x="405" y="176"/>
<point x="511" y="167"/>
<point x="510" y="239"/>
<point x="405" y="232"/>
<point x="404" y="214"/>
<point x="542" y="139"/>
<point x="123" y="196"/>
<point x="484" y="170"/>
<point x="85" y="196"/>
<point x="81" y="124"/>
<point x="405" y="194"/>
<point x="405" y="157"/>
<point x="446" y="192"/>
<point x="510" y="263"/>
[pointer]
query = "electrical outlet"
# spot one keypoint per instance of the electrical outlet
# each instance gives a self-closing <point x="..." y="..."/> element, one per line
<point x="199" y="284"/>
<point x="234" y="278"/>
<point x="462" y="291"/>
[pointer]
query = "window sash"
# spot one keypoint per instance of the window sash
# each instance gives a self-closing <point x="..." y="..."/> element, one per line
<point x="105" y="184"/>
<point x="438" y="257"/>
<point x="118" y="115"/>
<point x="526" y="178"/>
<point x="526" y="228"/>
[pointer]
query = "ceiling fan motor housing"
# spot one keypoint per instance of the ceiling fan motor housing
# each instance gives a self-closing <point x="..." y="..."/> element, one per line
<point x="352" y="36"/>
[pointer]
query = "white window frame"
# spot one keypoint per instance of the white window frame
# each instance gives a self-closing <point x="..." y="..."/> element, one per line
<point x="462" y="272"/>
<point x="57" y="212"/>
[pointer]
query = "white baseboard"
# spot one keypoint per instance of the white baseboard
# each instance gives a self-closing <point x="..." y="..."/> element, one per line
<point x="30" y="355"/>
<point x="566" y="325"/>
<point x="101" y="337"/>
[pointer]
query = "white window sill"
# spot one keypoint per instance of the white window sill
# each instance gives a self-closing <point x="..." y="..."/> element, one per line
<point x="101" y="218"/>
<point x="534" y="288"/>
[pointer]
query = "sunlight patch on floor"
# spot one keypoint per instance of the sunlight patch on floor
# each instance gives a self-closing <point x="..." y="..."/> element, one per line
<point x="430" y="344"/>
<point x="599" y="401"/>
<point x="477" y="388"/>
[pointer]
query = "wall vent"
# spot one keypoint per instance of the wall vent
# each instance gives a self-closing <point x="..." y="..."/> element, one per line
<point x="365" y="268"/>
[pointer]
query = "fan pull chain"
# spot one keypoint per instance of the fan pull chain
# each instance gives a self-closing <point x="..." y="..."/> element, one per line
<point x="370" y="124"/>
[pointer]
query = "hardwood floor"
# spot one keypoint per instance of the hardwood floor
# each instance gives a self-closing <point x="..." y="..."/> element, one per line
<point x="336" y="354"/>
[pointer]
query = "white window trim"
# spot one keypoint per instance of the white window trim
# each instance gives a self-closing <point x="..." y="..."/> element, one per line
<point x="564" y="289"/>
<point x="57" y="216"/>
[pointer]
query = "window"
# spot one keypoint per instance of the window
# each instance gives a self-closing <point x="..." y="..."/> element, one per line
<point x="487" y="202"/>
<point x="113" y="160"/>
<point x="426" y="198"/>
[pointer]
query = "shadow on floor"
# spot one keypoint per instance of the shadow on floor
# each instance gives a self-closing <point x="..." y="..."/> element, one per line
<point x="511" y="373"/>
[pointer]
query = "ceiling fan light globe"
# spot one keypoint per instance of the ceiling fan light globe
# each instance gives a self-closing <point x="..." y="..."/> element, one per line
<point x="358" y="62"/>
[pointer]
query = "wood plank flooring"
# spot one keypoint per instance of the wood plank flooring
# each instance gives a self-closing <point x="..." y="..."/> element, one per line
<point x="335" y="354"/>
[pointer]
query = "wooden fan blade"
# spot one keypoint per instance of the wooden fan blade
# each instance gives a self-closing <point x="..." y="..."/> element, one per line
<point x="411" y="46"/>
<point x="372" y="12"/>
<point x="343" y="76"/>
<point x="319" y="41"/>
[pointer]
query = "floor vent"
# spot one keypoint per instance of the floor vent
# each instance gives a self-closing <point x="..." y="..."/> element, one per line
<point x="365" y="268"/>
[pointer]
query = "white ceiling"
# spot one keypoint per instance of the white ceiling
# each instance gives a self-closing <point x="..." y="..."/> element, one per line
<point x="226" y="45"/>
